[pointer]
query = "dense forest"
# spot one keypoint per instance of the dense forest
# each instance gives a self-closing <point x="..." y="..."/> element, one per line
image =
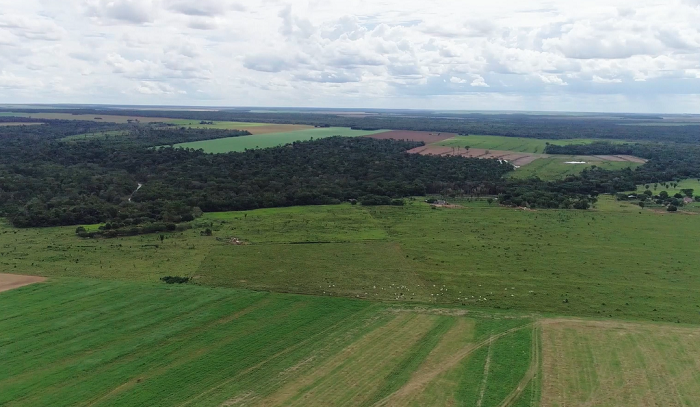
<point x="138" y="184"/>
<point x="620" y="127"/>
<point x="47" y="183"/>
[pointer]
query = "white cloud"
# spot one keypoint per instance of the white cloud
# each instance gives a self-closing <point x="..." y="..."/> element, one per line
<point x="479" y="82"/>
<point x="446" y="54"/>
<point x="131" y="11"/>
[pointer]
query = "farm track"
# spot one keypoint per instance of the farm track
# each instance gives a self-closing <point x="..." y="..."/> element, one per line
<point x="531" y="373"/>
<point x="448" y="365"/>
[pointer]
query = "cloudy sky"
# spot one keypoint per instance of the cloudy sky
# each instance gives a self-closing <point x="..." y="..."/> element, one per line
<point x="593" y="55"/>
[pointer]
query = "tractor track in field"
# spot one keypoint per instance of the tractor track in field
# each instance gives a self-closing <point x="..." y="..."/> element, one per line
<point x="262" y="363"/>
<point x="422" y="381"/>
<point x="531" y="373"/>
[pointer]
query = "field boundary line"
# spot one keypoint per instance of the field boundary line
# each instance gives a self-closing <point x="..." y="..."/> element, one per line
<point x="484" y="380"/>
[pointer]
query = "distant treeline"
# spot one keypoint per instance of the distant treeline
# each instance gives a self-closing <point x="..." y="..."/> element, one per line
<point x="520" y="125"/>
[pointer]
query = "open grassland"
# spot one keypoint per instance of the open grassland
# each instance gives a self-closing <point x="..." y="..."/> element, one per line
<point x="230" y="144"/>
<point x="97" y="343"/>
<point x="692" y="183"/>
<point x="517" y="144"/>
<point x="594" y="363"/>
<point x="556" y="167"/>
<point x="614" y="261"/>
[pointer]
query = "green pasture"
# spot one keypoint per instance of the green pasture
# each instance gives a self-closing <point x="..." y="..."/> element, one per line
<point x="501" y="143"/>
<point x="613" y="261"/>
<point x="243" y="143"/>
<point x="224" y="125"/>
<point x="556" y="167"/>
<point x="72" y="342"/>
<point x="689" y="183"/>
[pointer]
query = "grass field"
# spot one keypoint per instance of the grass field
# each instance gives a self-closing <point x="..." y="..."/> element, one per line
<point x="226" y="145"/>
<point x="610" y="262"/>
<point x="556" y="167"/>
<point x="215" y="125"/>
<point x="89" y="342"/>
<point x="693" y="184"/>
<point x="517" y="144"/>
<point x="594" y="363"/>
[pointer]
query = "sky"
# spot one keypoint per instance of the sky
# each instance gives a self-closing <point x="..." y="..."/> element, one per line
<point x="559" y="55"/>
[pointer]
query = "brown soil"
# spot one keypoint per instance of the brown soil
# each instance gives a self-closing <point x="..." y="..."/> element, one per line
<point x="425" y="136"/>
<point x="275" y="128"/>
<point x="12" y="281"/>
<point x="517" y="159"/>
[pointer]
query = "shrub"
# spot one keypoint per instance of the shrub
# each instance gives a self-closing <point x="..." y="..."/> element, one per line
<point x="174" y="279"/>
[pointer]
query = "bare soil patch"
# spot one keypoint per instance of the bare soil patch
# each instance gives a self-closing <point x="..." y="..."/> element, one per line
<point x="425" y="136"/>
<point x="517" y="159"/>
<point x="12" y="281"/>
<point x="275" y="128"/>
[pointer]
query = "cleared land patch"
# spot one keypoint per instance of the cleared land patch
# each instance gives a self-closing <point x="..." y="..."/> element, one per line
<point x="99" y="343"/>
<point x="517" y="144"/>
<point x="425" y="136"/>
<point x="609" y="363"/>
<point x="545" y="166"/>
<point x="610" y="261"/>
<point x="557" y="167"/>
<point x="253" y="128"/>
<point x="230" y="144"/>
<point x="12" y="281"/>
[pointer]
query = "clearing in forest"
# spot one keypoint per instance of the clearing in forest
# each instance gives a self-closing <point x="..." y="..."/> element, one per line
<point x="242" y="143"/>
<point x="427" y="137"/>
<point x="516" y="144"/>
<point x="609" y="363"/>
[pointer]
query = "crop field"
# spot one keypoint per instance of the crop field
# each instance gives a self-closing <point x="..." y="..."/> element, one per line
<point x="609" y="363"/>
<point x="90" y="342"/>
<point x="556" y="167"/>
<point x="642" y="263"/>
<point x="225" y="145"/>
<point x="517" y="144"/>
